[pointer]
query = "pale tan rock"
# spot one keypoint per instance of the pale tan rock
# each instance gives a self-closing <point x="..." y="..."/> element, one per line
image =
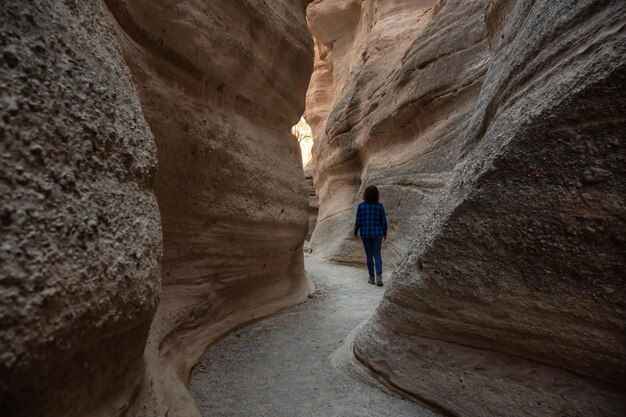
<point x="340" y="18"/>
<point x="493" y="130"/>
<point x="221" y="84"/>
<point x="319" y="93"/>
<point x="405" y="81"/>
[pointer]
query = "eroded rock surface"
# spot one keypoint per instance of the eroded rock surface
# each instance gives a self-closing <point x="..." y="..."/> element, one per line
<point x="221" y="84"/>
<point x="80" y="233"/>
<point x="405" y="79"/>
<point x="88" y="89"/>
<point x="495" y="132"/>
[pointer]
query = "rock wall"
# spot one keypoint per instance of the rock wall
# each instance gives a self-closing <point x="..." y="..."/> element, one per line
<point x="88" y="90"/>
<point x="221" y="84"/>
<point x="403" y="82"/>
<point x="80" y="232"/>
<point x="495" y="132"/>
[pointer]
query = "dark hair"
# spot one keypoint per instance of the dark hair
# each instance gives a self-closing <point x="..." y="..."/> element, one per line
<point x="370" y="195"/>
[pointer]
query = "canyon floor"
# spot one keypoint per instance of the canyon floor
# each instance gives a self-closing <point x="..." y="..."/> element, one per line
<point x="280" y="366"/>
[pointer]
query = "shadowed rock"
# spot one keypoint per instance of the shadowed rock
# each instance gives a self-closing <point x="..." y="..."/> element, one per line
<point x="500" y="159"/>
<point x="80" y="231"/>
<point x="221" y="84"/>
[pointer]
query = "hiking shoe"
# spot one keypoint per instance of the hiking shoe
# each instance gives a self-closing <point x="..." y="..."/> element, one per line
<point x="379" y="280"/>
<point x="371" y="280"/>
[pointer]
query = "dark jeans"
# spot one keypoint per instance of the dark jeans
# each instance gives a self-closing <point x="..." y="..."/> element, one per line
<point x="372" y="253"/>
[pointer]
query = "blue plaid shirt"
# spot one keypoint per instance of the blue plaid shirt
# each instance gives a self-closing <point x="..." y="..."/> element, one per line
<point x="370" y="220"/>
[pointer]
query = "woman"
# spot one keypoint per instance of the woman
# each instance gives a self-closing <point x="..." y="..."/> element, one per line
<point x="372" y="222"/>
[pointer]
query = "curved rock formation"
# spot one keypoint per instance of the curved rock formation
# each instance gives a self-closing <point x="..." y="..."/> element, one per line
<point x="319" y="93"/>
<point x="80" y="233"/>
<point x="494" y="129"/>
<point x="221" y="84"/>
<point x="404" y="82"/>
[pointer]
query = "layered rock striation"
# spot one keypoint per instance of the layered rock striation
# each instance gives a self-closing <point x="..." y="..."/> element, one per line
<point x="92" y="93"/>
<point x="494" y="130"/>
<point x="80" y="229"/>
<point x="221" y="84"/>
<point x="403" y="82"/>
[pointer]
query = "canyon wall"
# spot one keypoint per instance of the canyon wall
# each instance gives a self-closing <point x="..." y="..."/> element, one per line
<point x="495" y="132"/>
<point x="397" y="82"/>
<point x="92" y="93"/>
<point x="80" y="232"/>
<point x="221" y="84"/>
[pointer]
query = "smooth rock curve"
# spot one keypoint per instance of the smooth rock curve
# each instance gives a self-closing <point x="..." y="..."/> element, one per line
<point x="221" y="84"/>
<point x="500" y="158"/>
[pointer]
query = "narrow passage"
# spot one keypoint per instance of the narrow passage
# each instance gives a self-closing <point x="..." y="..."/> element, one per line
<point x="280" y="366"/>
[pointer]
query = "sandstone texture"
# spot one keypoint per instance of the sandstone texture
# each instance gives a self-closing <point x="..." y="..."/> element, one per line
<point x="93" y="93"/>
<point x="401" y="89"/>
<point x="494" y="130"/>
<point x="80" y="238"/>
<point x="221" y="84"/>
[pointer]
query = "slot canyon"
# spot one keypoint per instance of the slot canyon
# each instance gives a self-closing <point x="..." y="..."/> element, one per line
<point x="167" y="249"/>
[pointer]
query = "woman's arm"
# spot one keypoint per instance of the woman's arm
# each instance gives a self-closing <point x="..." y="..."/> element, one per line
<point x="357" y="221"/>
<point x="383" y="220"/>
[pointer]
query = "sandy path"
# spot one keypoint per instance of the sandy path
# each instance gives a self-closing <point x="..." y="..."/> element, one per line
<point x="280" y="366"/>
